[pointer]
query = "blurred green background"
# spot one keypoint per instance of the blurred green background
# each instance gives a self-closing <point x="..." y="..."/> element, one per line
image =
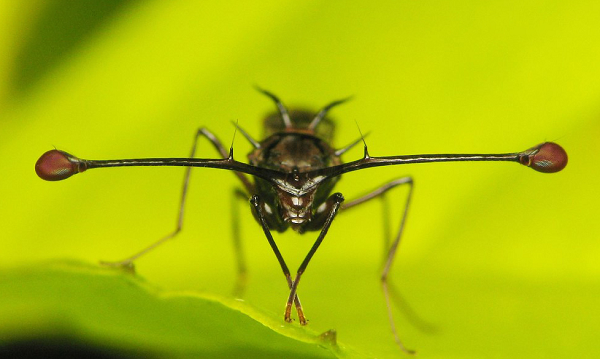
<point x="500" y="260"/>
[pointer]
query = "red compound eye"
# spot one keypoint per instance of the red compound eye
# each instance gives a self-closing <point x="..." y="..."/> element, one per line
<point x="56" y="165"/>
<point x="547" y="157"/>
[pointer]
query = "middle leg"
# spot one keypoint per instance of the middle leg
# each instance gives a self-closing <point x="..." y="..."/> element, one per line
<point x="200" y="133"/>
<point x="391" y="251"/>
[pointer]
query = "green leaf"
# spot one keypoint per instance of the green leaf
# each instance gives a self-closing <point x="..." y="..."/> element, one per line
<point x="116" y="311"/>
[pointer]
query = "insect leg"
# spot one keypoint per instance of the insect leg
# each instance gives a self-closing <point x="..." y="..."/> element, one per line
<point x="393" y="248"/>
<point x="241" y="280"/>
<point x="202" y="132"/>
<point x="333" y="205"/>
<point x="378" y="192"/>
<point x="257" y="205"/>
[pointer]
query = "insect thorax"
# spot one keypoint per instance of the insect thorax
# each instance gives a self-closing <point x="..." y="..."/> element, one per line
<point x="300" y="121"/>
<point x="294" y="151"/>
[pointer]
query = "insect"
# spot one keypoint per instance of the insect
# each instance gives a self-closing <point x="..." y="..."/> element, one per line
<point x="294" y="171"/>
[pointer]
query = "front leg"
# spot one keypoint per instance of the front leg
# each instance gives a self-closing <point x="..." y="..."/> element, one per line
<point x="257" y="205"/>
<point x="331" y="209"/>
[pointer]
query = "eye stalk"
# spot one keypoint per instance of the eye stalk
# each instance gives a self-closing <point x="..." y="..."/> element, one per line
<point x="547" y="157"/>
<point x="56" y="165"/>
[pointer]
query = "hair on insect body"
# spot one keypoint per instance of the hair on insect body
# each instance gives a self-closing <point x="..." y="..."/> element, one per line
<point x="294" y="171"/>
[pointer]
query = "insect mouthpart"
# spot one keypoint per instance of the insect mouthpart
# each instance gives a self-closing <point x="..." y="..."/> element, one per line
<point x="296" y="220"/>
<point x="296" y="210"/>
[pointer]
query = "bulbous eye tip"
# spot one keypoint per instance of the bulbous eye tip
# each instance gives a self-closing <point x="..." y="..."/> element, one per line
<point x="547" y="157"/>
<point x="56" y="165"/>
